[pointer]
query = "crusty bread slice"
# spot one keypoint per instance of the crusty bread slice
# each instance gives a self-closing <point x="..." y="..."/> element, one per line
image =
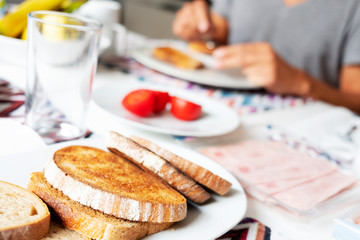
<point x="113" y="185"/>
<point x="196" y="172"/>
<point x="23" y="215"/>
<point x="59" y="232"/>
<point x="146" y="159"/>
<point x="177" y="58"/>
<point x="87" y="221"/>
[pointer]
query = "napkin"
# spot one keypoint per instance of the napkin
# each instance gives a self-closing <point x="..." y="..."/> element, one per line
<point x="333" y="134"/>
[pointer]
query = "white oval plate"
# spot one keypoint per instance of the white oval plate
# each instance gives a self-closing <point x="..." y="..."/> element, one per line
<point x="217" y="117"/>
<point x="231" y="78"/>
<point x="206" y="222"/>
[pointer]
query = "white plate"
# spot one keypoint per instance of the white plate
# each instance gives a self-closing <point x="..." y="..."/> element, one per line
<point x="217" y="118"/>
<point x="26" y="139"/>
<point x="218" y="78"/>
<point x="208" y="221"/>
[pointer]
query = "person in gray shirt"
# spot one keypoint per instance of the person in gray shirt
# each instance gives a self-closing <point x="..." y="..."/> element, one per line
<point x="302" y="47"/>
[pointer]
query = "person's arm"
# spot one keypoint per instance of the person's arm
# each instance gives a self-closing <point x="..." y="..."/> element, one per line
<point x="221" y="29"/>
<point x="195" y="21"/>
<point x="348" y="94"/>
<point x="261" y="65"/>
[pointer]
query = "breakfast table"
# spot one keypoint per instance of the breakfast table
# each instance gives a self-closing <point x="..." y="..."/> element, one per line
<point x="16" y="141"/>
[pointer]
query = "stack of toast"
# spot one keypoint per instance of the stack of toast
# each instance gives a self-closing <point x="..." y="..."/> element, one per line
<point x="136" y="189"/>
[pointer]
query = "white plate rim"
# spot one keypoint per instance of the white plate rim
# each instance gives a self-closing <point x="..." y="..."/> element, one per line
<point x="143" y="55"/>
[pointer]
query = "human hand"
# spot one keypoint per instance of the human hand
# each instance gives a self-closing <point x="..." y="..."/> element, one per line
<point x="263" y="66"/>
<point x="193" y="22"/>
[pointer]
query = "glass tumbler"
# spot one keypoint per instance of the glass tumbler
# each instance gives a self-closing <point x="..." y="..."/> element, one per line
<point x="61" y="62"/>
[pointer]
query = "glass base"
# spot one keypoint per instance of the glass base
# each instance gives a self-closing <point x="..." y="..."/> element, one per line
<point x="53" y="132"/>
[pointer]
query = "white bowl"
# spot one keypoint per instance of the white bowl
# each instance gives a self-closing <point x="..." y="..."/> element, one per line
<point x="13" y="50"/>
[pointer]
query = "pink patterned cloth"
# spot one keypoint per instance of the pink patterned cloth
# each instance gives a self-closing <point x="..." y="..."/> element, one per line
<point x="248" y="229"/>
<point x="11" y="100"/>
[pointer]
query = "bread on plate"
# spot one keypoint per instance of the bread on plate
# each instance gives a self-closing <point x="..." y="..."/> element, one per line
<point x="85" y="220"/>
<point x="148" y="160"/>
<point x="202" y="47"/>
<point x="23" y="215"/>
<point x="177" y="58"/>
<point x="196" y="172"/>
<point x="111" y="184"/>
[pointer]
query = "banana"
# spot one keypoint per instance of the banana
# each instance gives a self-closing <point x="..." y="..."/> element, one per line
<point x="24" y="34"/>
<point x="58" y="32"/>
<point x="14" y="23"/>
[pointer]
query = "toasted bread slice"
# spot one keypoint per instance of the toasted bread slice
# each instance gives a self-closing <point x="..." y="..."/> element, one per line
<point x="196" y="172"/>
<point x="113" y="185"/>
<point x="146" y="159"/>
<point x="89" y="222"/>
<point x="57" y="231"/>
<point x="202" y="47"/>
<point x="22" y="214"/>
<point x="177" y="58"/>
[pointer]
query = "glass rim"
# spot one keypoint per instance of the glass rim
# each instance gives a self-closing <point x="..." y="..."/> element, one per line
<point x="91" y="24"/>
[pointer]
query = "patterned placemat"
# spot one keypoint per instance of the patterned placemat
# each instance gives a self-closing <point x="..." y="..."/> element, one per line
<point x="242" y="101"/>
<point x="12" y="101"/>
<point x="247" y="229"/>
<point x="12" y="105"/>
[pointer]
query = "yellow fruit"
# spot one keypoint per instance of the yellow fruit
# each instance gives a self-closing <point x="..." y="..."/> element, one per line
<point x="59" y="32"/>
<point x="24" y="34"/>
<point x="14" y="23"/>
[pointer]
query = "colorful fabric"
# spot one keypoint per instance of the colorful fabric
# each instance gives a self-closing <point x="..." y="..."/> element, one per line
<point x="12" y="105"/>
<point x="11" y="100"/>
<point x="248" y="229"/>
<point x="242" y="101"/>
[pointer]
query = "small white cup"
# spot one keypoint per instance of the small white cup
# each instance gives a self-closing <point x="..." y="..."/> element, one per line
<point x="105" y="11"/>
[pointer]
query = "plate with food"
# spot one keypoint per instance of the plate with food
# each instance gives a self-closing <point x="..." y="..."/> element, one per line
<point x="165" y="110"/>
<point x="192" y="62"/>
<point x="123" y="202"/>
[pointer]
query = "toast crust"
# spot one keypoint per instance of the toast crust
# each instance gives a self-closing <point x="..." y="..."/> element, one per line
<point x="196" y="172"/>
<point x="202" y="47"/>
<point x="34" y="228"/>
<point x="87" y="221"/>
<point x="177" y="58"/>
<point x="113" y="185"/>
<point x="146" y="159"/>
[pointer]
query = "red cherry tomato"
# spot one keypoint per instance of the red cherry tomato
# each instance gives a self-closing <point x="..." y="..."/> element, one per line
<point x="185" y="110"/>
<point x="140" y="102"/>
<point x="161" y="100"/>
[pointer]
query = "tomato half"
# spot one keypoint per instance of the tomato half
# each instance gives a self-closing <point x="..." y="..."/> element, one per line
<point x="185" y="110"/>
<point x="161" y="100"/>
<point x="140" y="102"/>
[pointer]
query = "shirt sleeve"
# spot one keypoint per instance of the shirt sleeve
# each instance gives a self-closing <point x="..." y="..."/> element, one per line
<point x="352" y="44"/>
<point x="221" y="7"/>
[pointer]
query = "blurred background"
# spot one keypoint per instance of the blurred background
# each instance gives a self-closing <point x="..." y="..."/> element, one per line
<point x="152" y="18"/>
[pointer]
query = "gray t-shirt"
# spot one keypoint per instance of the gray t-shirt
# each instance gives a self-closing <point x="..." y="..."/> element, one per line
<point x="318" y="36"/>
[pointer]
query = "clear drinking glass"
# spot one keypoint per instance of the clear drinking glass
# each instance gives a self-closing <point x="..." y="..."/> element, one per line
<point x="61" y="63"/>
